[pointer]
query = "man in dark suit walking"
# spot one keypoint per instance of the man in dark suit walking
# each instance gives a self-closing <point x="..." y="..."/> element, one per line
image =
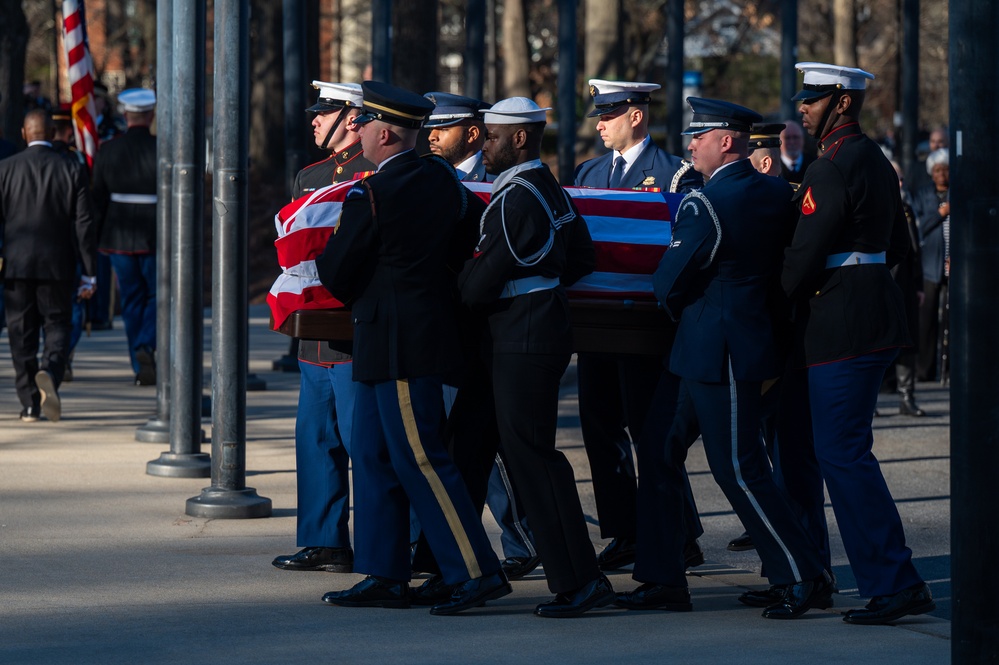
<point x="716" y="279"/>
<point x="616" y="390"/>
<point x="392" y="259"/>
<point x="47" y="221"/>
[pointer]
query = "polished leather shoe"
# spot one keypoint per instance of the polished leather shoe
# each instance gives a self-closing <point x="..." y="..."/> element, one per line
<point x="619" y="553"/>
<point x="516" y="567"/>
<point x="597" y="593"/>
<point x="917" y="599"/>
<point x="474" y="593"/>
<point x="907" y="407"/>
<point x="30" y="414"/>
<point x="146" y="359"/>
<point x="372" y="592"/>
<point x="764" y="597"/>
<point x="656" y="597"/>
<point x="801" y="597"/>
<point x="432" y="592"/>
<point x="50" y="402"/>
<point x="743" y="543"/>
<point x="330" y="559"/>
<point x="692" y="555"/>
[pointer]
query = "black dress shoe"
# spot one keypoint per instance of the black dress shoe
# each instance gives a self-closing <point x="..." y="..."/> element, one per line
<point x="432" y="592"/>
<point x="741" y="544"/>
<point x="597" y="593"/>
<point x="372" y="592"/>
<point x="764" y="598"/>
<point x="917" y="599"/>
<point x="330" y="559"/>
<point x="515" y="567"/>
<point x="474" y="593"/>
<point x="146" y="358"/>
<point x="619" y="553"/>
<point x="801" y="597"/>
<point x="30" y="414"/>
<point x="907" y="407"/>
<point x="692" y="555"/>
<point x="656" y="597"/>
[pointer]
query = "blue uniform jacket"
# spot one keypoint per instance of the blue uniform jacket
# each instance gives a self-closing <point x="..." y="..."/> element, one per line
<point x="654" y="168"/>
<point x="720" y="281"/>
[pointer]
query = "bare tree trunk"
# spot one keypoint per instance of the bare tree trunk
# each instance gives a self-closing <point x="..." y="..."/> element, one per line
<point x="845" y="33"/>
<point x="516" y="55"/>
<point x="267" y="79"/>
<point x="602" y="56"/>
<point x="13" y="45"/>
<point x="414" y="45"/>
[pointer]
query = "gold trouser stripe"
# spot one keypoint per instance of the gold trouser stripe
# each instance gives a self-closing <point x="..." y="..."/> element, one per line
<point x="430" y="473"/>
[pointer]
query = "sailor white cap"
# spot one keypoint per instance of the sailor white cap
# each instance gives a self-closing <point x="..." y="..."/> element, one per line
<point x="515" y="111"/>
<point x="137" y="100"/>
<point x="822" y="79"/>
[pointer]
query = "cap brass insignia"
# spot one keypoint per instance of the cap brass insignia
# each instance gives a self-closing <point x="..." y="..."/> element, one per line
<point x="651" y="180"/>
<point x="593" y="91"/>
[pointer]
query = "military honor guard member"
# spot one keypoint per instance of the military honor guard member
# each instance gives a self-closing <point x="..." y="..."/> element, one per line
<point x="534" y="243"/>
<point x="393" y="259"/>
<point x="326" y="392"/>
<point x="850" y="323"/>
<point x="124" y="189"/>
<point x="615" y="390"/>
<point x="715" y="279"/>
<point x="334" y="131"/>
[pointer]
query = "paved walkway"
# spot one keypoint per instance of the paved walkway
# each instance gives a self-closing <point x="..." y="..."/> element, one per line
<point x="99" y="563"/>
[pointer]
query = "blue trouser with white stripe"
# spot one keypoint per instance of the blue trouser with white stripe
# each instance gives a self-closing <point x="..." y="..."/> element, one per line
<point x="843" y="396"/>
<point x="399" y="459"/>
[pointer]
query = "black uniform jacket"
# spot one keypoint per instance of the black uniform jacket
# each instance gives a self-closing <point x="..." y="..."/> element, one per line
<point x="126" y="165"/>
<point x="849" y="202"/>
<point x="516" y="222"/>
<point x="654" y="168"/>
<point x="46" y="216"/>
<point x="719" y="280"/>
<point x="341" y="166"/>
<point x="402" y="236"/>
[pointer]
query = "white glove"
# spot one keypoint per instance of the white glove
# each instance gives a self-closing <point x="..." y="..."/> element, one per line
<point x="87" y="287"/>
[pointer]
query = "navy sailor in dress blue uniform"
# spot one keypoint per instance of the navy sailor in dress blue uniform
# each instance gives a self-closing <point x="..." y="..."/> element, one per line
<point x="850" y="323"/>
<point x="393" y="258"/>
<point x="533" y="244"/>
<point x="617" y="390"/>
<point x="715" y="279"/>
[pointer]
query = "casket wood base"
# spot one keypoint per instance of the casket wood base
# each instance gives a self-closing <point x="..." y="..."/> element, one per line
<point x="600" y="326"/>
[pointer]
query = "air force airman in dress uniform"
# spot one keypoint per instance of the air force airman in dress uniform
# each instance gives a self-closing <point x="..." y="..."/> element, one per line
<point x="850" y="322"/>
<point x="533" y="244"/>
<point x="715" y="280"/>
<point x="393" y="259"/>
<point x="326" y="390"/>
<point x="616" y="390"/>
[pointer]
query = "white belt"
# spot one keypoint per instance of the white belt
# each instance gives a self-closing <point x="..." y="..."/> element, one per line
<point x="518" y="287"/>
<point x="853" y="259"/>
<point x="147" y="199"/>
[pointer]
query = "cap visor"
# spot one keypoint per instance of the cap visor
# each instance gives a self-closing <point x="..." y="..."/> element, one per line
<point x="364" y="119"/>
<point x="694" y="131"/>
<point x="810" y="96"/>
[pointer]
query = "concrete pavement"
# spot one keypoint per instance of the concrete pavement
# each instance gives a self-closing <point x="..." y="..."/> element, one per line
<point x="99" y="563"/>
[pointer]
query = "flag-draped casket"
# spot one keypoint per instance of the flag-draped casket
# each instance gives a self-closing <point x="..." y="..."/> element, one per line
<point x="613" y="309"/>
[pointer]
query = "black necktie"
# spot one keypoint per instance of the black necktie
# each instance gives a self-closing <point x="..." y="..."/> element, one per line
<point x="617" y="173"/>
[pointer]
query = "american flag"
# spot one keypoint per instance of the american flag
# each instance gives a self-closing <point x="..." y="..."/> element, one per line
<point x="631" y="230"/>
<point x="81" y="77"/>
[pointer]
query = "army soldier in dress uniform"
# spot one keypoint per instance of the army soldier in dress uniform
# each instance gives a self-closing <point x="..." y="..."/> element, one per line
<point x="850" y="323"/>
<point x="615" y="390"/>
<point x="534" y="243"/>
<point x="716" y="279"/>
<point x="326" y="392"/>
<point x="125" y="198"/>
<point x="393" y="259"/>
<point x="334" y="131"/>
<point x="764" y="148"/>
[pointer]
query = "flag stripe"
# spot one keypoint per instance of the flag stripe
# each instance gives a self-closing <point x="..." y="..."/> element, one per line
<point x="80" y="70"/>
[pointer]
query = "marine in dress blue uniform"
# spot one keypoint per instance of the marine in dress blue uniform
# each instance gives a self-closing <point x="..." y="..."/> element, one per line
<point x="393" y="259"/>
<point x="716" y="279"/>
<point x="616" y="390"/>
<point x="850" y="323"/>
<point x="533" y="244"/>
<point x="326" y="389"/>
